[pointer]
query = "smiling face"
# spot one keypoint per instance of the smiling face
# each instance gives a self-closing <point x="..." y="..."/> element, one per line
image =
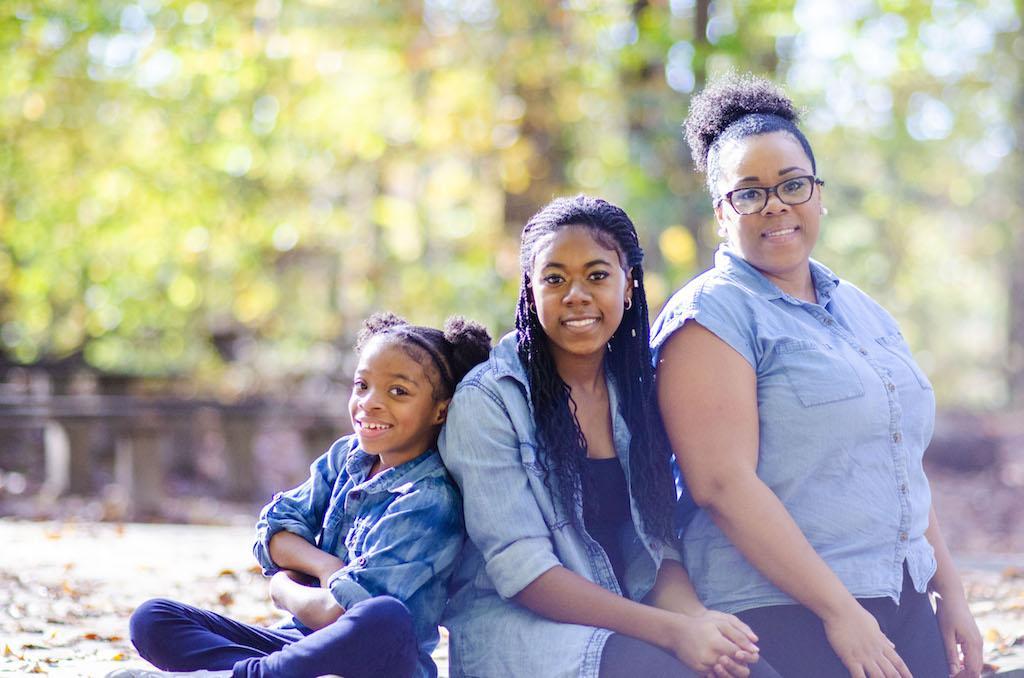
<point x="392" y="404"/>
<point x="777" y="240"/>
<point x="579" y="287"/>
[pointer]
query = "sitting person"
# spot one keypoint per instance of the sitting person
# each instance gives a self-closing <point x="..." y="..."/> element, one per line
<point x="360" y="553"/>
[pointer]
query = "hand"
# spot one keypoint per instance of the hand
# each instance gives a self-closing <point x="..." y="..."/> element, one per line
<point x="314" y="607"/>
<point x="960" y="635"/>
<point x="862" y="647"/>
<point x="714" y="643"/>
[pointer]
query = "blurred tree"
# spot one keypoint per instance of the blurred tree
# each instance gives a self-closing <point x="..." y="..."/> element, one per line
<point x="222" y="191"/>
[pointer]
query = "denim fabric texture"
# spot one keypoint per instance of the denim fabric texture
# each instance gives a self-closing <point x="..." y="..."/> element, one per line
<point x="400" y="532"/>
<point x="518" y="530"/>
<point x="845" y="415"/>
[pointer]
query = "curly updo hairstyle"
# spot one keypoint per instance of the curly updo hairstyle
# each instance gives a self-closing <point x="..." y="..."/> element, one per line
<point x="452" y="352"/>
<point x="562" y="447"/>
<point x="734" y="107"/>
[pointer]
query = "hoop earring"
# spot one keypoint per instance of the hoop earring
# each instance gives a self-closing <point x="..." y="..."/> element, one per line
<point x="629" y="303"/>
<point x="532" y="307"/>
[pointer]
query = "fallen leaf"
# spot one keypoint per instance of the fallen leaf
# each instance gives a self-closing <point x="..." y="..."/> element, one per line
<point x="993" y="636"/>
<point x="227" y="572"/>
<point x="226" y="598"/>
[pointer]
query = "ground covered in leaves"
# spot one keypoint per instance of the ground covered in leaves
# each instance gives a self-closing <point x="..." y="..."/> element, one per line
<point x="67" y="589"/>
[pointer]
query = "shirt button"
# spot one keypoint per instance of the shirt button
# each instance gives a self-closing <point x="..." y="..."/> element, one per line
<point x="903" y="536"/>
<point x="896" y="437"/>
<point x="892" y="387"/>
<point x="863" y="351"/>
<point x="903" y="488"/>
<point x="362" y="559"/>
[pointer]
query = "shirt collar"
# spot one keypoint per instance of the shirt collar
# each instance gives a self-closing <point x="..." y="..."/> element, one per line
<point x="397" y="479"/>
<point x="730" y="262"/>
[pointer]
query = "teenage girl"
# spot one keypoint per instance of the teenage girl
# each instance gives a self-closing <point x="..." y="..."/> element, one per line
<point x="571" y="567"/>
<point x="360" y="553"/>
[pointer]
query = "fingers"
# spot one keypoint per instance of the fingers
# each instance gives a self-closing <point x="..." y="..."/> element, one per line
<point x="972" y="649"/>
<point x="727" y="667"/>
<point x="896" y="661"/>
<point x="740" y="634"/>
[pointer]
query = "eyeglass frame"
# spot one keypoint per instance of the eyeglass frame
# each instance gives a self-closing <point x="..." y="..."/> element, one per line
<point x="768" y="190"/>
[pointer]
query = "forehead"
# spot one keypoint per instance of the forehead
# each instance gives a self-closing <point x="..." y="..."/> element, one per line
<point x="576" y="244"/>
<point x="762" y="156"/>
<point x="388" y="354"/>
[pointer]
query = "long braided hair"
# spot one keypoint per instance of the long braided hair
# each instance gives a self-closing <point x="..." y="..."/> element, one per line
<point x="562" y="445"/>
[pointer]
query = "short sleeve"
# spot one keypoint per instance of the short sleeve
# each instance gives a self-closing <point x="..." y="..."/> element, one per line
<point x="716" y="305"/>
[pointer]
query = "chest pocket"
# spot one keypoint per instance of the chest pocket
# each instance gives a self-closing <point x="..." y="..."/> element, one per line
<point x="818" y="373"/>
<point x="895" y="344"/>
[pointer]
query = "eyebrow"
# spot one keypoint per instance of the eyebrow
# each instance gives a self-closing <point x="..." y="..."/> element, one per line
<point x="786" y="170"/>
<point x="394" y="375"/>
<point x="592" y="262"/>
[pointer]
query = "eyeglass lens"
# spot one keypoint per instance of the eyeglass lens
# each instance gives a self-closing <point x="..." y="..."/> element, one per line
<point x="792" y="191"/>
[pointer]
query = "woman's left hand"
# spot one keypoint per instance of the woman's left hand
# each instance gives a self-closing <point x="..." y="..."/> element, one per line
<point x="961" y="637"/>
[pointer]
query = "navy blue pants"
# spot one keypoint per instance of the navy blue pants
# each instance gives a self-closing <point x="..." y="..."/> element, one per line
<point x="373" y="638"/>
<point x="793" y="638"/>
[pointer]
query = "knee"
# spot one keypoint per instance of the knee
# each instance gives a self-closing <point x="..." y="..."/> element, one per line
<point x="146" y="622"/>
<point x="385" y="614"/>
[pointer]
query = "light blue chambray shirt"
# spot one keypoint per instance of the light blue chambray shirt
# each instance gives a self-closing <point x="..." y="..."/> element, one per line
<point x="518" y="530"/>
<point x="399" y="533"/>
<point x="845" y="415"/>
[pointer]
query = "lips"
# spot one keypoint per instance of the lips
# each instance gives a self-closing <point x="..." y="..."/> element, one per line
<point x="370" y="428"/>
<point x="580" y="323"/>
<point x="780" y="232"/>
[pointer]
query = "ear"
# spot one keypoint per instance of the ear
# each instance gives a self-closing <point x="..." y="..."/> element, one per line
<point x="628" y="292"/>
<point x="441" y="411"/>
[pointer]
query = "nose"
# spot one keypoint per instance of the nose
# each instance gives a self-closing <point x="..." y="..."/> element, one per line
<point x="369" y="400"/>
<point x="576" y="294"/>
<point x="774" y="204"/>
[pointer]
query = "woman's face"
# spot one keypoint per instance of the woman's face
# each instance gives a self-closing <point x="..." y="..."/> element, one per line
<point x="579" y="287"/>
<point x="777" y="240"/>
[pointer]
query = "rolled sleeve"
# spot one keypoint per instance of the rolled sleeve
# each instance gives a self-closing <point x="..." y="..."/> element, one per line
<point x="481" y="449"/>
<point x="726" y="320"/>
<point x="300" y="510"/>
<point x="345" y="590"/>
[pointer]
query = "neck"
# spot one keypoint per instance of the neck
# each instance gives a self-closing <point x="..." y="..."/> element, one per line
<point x="797" y="283"/>
<point x="581" y="373"/>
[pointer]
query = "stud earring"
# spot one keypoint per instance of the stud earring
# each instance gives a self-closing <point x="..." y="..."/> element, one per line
<point x="824" y="211"/>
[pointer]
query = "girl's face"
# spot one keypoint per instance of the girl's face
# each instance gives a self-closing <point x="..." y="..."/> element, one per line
<point x="392" y="404"/>
<point x="777" y="240"/>
<point x="579" y="288"/>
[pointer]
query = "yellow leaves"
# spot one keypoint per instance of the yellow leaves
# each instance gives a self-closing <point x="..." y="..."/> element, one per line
<point x="255" y="300"/>
<point x="184" y="293"/>
<point x="400" y="221"/>
<point x="678" y="246"/>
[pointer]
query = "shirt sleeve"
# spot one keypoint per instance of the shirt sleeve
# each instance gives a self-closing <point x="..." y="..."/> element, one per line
<point x="718" y="307"/>
<point x="417" y="539"/>
<point x="480" y="447"/>
<point x="300" y="510"/>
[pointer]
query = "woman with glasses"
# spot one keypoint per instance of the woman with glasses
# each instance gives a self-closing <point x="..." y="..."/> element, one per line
<point x="799" y="420"/>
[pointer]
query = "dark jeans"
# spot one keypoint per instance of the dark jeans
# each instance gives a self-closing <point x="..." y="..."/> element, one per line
<point x="628" y="657"/>
<point x="373" y="638"/>
<point x="793" y="639"/>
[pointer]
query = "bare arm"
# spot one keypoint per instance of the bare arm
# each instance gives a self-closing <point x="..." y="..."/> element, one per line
<point x="315" y="607"/>
<point x="673" y="591"/>
<point x="708" y="396"/>
<point x="701" y="642"/>
<point x="292" y="552"/>
<point x="960" y="633"/>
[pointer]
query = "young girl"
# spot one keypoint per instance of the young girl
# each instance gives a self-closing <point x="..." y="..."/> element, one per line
<point x="361" y="552"/>
<point x="570" y="568"/>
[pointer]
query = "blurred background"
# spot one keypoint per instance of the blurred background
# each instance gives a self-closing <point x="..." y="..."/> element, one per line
<point x="200" y="202"/>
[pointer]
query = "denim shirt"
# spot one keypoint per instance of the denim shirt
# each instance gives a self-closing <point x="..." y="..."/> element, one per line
<point x="844" y="417"/>
<point x="399" y="533"/>
<point x="518" y="530"/>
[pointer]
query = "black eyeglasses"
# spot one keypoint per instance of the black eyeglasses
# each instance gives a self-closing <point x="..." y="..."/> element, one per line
<point x="792" y="191"/>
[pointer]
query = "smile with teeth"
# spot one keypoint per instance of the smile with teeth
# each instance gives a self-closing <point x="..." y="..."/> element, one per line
<point x="368" y="426"/>
<point x="580" y="323"/>
<point x="781" y="232"/>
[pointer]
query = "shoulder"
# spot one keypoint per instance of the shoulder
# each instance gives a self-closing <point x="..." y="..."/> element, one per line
<point x="864" y="308"/>
<point x="712" y="298"/>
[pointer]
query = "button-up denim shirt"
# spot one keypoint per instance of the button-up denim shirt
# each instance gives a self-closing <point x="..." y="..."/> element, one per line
<point x="844" y="417"/>
<point x="518" y="530"/>
<point x="398" y="533"/>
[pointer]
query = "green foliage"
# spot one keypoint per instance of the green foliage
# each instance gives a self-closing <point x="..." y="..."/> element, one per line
<point x="222" y="191"/>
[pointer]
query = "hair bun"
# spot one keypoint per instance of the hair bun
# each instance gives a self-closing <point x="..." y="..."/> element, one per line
<point x="725" y="101"/>
<point x="377" y="323"/>
<point x="470" y="341"/>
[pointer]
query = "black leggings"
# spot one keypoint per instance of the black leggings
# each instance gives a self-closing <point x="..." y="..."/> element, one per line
<point x="627" y="657"/>
<point x="793" y="639"/>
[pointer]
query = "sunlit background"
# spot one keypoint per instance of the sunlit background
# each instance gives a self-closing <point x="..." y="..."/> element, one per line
<point x="212" y="196"/>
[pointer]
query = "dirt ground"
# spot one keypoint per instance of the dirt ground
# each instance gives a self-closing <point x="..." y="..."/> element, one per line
<point x="67" y="589"/>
